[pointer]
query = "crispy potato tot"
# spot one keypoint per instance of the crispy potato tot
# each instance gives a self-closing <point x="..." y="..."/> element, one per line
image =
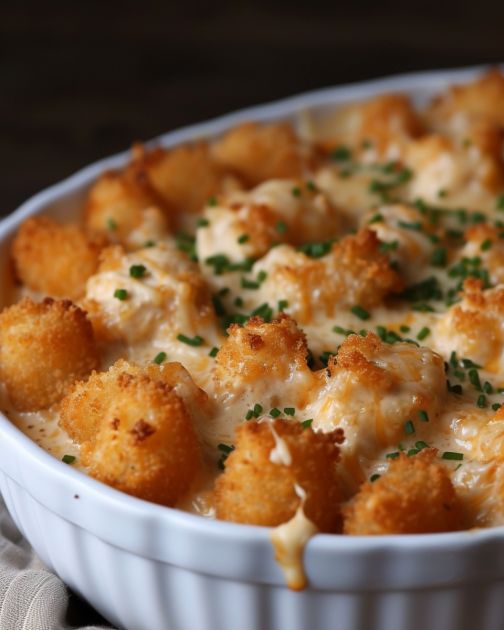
<point x="55" y="259"/>
<point x="354" y="271"/>
<point x="170" y="292"/>
<point x="88" y="402"/>
<point x="125" y="207"/>
<point x="146" y="445"/>
<point x="480" y="99"/>
<point x="259" y="355"/>
<point x="278" y="211"/>
<point x="378" y="128"/>
<point x="260" y="152"/>
<point x="473" y="328"/>
<point x="464" y="175"/>
<point x="256" y="490"/>
<point x="372" y="389"/>
<point x="415" y="496"/>
<point x="412" y="249"/>
<point x="186" y="177"/>
<point x="44" y="348"/>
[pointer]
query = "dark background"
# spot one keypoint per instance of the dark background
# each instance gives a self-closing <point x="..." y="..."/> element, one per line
<point x="80" y="80"/>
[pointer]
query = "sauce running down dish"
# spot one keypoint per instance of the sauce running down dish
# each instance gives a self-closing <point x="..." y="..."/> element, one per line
<point x="296" y="328"/>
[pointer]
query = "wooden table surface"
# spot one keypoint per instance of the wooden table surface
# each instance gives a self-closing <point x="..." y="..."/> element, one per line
<point x="81" y="80"/>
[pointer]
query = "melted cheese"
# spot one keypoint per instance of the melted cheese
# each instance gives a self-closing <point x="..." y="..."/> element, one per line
<point x="175" y="296"/>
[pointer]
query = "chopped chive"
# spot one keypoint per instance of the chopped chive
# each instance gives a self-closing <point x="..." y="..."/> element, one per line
<point x="416" y="226"/>
<point x="420" y="445"/>
<point x="409" y="427"/>
<point x="150" y="243"/>
<point x="296" y="191"/>
<point x="454" y="389"/>
<point x="452" y="455"/>
<point x="275" y="412"/>
<point x="482" y="401"/>
<point x="311" y="185"/>
<point x="121" y="294"/>
<point x="213" y="352"/>
<point x="289" y="411"/>
<point x="306" y="424"/>
<point x="212" y="201"/>
<point x="282" y="305"/>
<point x="496" y="406"/>
<point x="487" y="388"/>
<point x="423" y="334"/>
<point x="258" y="409"/>
<point x="238" y="301"/>
<point x="393" y="455"/>
<point x="159" y="358"/>
<point x="68" y="459"/>
<point x="467" y="363"/>
<point x="261" y="276"/>
<point x="376" y="218"/>
<point x="341" y="154"/>
<point x="388" y="247"/>
<point x="486" y="245"/>
<point x="438" y="258"/>
<point x="243" y="238"/>
<point x="442" y="192"/>
<point x="360" y="312"/>
<point x="404" y="329"/>
<point x="202" y="222"/>
<point x="374" y="477"/>
<point x="191" y="341"/>
<point x="281" y="227"/>
<point x="500" y="203"/>
<point x="249" y="415"/>
<point x="474" y="378"/>
<point x="112" y="224"/>
<point x="423" y="415"/>
<point x="249" y="284"/>
<point x="412" y="451"/>
<point x="137" y="271"/>
<point x="459" y="374"/>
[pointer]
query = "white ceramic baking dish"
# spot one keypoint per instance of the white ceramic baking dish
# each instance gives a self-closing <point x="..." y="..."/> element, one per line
<point x="147" y="567"/>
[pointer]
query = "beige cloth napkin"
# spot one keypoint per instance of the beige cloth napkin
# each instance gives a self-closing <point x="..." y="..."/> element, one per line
<point x="31" y="598"/>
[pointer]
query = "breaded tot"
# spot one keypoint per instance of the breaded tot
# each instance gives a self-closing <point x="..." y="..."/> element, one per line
<point x="415" y="496"/>
<point x="486" y="242"/>
<point x="287" y="211"/>
<point x="55" y="259"/>
<point x="258" y="488"/>
<point x="482" y="99"/>
<point x="86" y="404"/>
<point x="379" y="127"/>
<point x="373" y="388"/>
<point x="125" y="207"/>
<point x="146" y="445"/>
<point x="44" y="348"/>
<point x="413" y="248"/>
<point x="259" y="355"/>
<point x="167" y="291"/>
<point x="260" y="152"/>
<point x="354" y="272"/>
<point x="466" y="176"/>
<point x="186" y="177"/>
<point x="474" y="328"/>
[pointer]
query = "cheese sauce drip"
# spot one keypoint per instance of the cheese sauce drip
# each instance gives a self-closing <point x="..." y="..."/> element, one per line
<point x="289" y="541"/>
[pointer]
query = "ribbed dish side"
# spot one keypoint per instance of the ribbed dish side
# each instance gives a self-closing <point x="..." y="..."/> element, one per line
<point x="137" y="593"/>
